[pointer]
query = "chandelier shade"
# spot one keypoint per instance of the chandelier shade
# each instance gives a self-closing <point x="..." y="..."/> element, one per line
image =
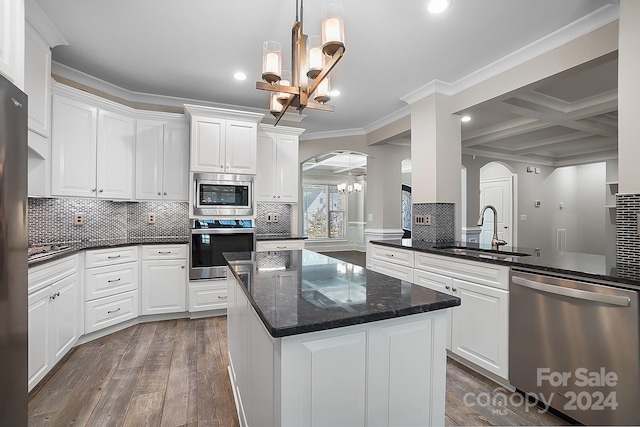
<point x="312" y="59"/>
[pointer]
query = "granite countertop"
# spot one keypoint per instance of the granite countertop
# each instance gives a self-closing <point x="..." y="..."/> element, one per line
<point x="75" y="247"/>
<point x="262" y="237"/>
<point x="594" y="267"/>
<point x="301" y="291"/>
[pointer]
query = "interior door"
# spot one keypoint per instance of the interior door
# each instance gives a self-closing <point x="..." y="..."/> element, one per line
<point x="498" y="193"/>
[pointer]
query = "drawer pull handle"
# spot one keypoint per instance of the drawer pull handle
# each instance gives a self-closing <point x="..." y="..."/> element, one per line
<point x="389" y="254"/>
<point x="114" y="280"/>
<point x="454" y="289"/>
<point x="113" y="311"/>
<point x="447" y="287"/>
<point x="114" y="256"/>
<point x="54" y="296"/>
<point x="222" y="297"/>
<point x="164" y="252"/>
<point x="281" y="247"/>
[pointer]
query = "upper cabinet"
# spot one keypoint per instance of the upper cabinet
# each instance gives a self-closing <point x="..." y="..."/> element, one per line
<point x="92" y="151"/>
<point x="162" y="160"/>
<point x="278" y="169"/>
<point x="12" y="40"/>
<point x="37" y="82"/>
<point x="223" y="141"/>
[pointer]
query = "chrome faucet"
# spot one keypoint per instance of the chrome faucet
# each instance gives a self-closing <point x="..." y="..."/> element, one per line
<point x="495" y="242"/>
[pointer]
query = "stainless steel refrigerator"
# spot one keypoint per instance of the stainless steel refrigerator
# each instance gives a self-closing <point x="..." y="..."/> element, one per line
<point x="13" y="255"/>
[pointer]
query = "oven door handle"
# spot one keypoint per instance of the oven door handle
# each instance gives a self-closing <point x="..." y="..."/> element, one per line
<point x="573" y="293"/>
<point x="222" y="230"/>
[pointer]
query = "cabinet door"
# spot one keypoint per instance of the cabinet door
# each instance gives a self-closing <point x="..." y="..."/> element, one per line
<point x="164" y="286"/>
<point x="37" y="82"/>
<point x="207" y="144"/>
<point x="115" y="155"/>
<point x="265" y="182"/>
<point x="73" y="148"/>
<point x="12" y="22"/>
<point x="149" y="155"/>
<point x="287" y="168"/>
<point x="240" y="147"/>
<point x="175" y="181"/>
<point x="39" y="345"/>
<point x="64" y="316"/>
<point x="480" y="326"/>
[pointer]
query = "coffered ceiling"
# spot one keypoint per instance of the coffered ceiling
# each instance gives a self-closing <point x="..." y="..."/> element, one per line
<point x="568" y="119"/>
<point x="191" y="49"/>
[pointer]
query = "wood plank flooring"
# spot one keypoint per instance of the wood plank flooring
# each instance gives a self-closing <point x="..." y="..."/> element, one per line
<point x="174" y="373"/>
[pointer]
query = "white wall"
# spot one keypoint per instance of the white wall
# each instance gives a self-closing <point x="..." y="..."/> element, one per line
<point x="581" y="189"/>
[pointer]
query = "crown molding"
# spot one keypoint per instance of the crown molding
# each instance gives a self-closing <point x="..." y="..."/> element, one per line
<point x="388" y="119"/>
<point x="225" y="113"/>
<point x="269" y="128"/>
<point x="333" y="134"/>
<point x="41" y="23"/>
<point x="598" y="18"/>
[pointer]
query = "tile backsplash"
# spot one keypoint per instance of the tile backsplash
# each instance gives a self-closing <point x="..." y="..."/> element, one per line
<point x="627" y="238"/>
<point x="51" y="220"/>
<point x="442" y="228"/>
<point x="283" y="226"/>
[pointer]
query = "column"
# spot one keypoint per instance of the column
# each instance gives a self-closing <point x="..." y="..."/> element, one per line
<point x="628" y="199"/>
<point x="435" y="171"/>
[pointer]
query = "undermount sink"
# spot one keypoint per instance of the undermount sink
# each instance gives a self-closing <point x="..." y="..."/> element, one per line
<point x="483" y="253"/>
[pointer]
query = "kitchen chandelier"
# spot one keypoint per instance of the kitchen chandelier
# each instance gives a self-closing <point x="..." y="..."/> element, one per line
<point x="309" y="84"/>
<point x="351" y="185"/>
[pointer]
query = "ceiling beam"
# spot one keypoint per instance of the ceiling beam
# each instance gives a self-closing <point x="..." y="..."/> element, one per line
<point x="504" y="130"/>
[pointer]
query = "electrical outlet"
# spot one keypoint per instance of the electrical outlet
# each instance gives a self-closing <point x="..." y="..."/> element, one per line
<point x="427" y="219"/>
<point x="78" y="219"/>
<point x="151" y="218"/>
<point x="537" y="203"/>
<point x="274" y="217"/>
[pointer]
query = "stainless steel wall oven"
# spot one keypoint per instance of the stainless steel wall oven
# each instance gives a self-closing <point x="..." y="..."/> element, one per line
<point x="210" y="238"/>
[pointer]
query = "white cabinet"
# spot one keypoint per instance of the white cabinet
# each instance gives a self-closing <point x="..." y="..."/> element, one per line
<point x="162" y="160"/>
<point x="37" y="83"/>
<point x="12" y="41"/>
<point x="111" y="287"/>
<point x="393" y="262"/>
<point x="278" y="169"/>
<point x="279" y="245"/>
<point x="53" y="314"/>
<point x="223" y="141"/>
<point x="479" y="328"/>
<point x="164" y="279"/>
<point x="208" y="295"/>
<point x="92" y="151"/>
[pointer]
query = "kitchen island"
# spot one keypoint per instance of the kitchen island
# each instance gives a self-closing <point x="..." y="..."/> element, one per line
<point x="317" y="341"/>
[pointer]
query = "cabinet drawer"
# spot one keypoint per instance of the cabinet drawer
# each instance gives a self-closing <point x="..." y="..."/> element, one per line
<point x="279" y="245"/>
<point x="207" y="297"/>
<point x="394" y="270"/>
<point x="102" y="257"/>
<point x="110" y="280"/>
<point x="476" y="272"/>
<point x="108" y="311"/>
<point x="396" y="256"/>
<point x="164" y="252"/>
<point x="44" y="275"/>
<point x="433" y="281"/>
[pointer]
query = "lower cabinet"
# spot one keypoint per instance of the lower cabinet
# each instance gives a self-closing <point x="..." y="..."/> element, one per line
<point x="479" y="327"/>
<point x="53" y="319"/>
<point x="208" y="295"/>
<point x="164" y="279"/>
<point x="279" y="245"/>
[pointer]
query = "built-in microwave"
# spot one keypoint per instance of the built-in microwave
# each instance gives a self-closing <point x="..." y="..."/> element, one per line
<point x="222" y="195"/>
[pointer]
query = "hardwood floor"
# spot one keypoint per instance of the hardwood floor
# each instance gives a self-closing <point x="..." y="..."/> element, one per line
<point x="174" y="373"/>
<point x="171" y="373"/>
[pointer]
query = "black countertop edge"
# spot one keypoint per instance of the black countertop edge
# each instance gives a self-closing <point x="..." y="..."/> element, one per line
<point x="451" y="301"/>
<point x="518" y="263"/>
<point x="267" y="237"/>
<point x="75" y="248"/>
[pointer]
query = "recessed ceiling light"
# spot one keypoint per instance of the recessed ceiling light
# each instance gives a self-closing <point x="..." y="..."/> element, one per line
<point x="465" y="118"/>
<point x="438" y="6"/>
<point x="334" y="93"/>
<point x="240" y="76"/>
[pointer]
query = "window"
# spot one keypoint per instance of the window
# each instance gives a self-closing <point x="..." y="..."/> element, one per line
<point x="324" y="211"/>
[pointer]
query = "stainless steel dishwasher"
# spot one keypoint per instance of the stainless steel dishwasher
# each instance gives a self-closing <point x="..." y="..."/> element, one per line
<point x="576" y="346"/>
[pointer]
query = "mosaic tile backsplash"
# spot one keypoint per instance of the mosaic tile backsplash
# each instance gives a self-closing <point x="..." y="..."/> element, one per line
<point x="627" y="239"/>
<point x="51" y="220"/>
<point x="283" y="226"/>
<point x="442" y="228"/>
